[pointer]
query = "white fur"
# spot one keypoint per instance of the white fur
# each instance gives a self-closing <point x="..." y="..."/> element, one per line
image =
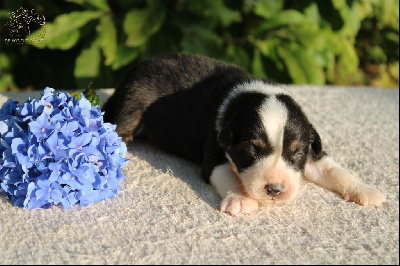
<point x="271" y="170"/>
<point x="328" y="174"/>
<point x="224" y="180"/>
<point x="274" y="117"/>
<point x="252" y="86"/>
<point x="235" y="201"/>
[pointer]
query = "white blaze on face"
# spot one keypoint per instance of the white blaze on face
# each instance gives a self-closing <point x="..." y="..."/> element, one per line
<point x="272" y="169"/>
<point x="274" y="116"/>
<point x="252" y="86"/>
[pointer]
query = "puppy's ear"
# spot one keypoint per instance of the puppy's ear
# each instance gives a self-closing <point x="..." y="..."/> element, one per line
<point x="316" y="151"/>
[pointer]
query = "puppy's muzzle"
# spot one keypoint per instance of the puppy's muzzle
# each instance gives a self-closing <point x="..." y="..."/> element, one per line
<point x="274" y="189"/>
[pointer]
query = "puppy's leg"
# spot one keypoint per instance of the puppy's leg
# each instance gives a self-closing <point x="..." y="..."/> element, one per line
<point x="326" y="173"/>
<point x="125" y="109"/>
<point x="127" y="123"/>
<point x="228" y="187"/>
<point x="125" y="114"/>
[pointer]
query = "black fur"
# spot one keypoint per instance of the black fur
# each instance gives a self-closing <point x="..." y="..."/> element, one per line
<point x="241" y="127"/>
<point x="153" y="78"/>
<point x="299" y="129"/>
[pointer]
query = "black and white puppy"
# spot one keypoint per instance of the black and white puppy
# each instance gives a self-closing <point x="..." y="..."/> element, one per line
<point x="251" y="138"/>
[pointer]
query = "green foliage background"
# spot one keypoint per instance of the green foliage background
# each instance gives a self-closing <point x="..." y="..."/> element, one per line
<point x="293" y="41"/>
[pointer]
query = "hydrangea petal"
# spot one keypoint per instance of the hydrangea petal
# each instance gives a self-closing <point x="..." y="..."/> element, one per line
<point x="3" y="127"/>
<point x="56" y="195"/>
<point x="42" y="194"/>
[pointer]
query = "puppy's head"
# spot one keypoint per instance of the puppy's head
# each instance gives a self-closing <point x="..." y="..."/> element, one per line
<point x="267" y="139"/>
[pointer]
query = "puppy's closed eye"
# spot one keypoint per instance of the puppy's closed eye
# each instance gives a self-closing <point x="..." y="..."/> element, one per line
<point x="298" y="155"/>
<point x="256" y="147"/>
<point x="247" y="147"/>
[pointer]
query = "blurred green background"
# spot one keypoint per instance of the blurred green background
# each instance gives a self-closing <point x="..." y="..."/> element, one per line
<point x="292" y="41"/>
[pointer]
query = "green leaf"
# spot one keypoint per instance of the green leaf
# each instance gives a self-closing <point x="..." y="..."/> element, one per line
<point x="284" y="18"/>
<point x="7" y="83"/>
<point x="311" y="12"/>
<point x="76" y="94"/>
<point x="211" y="12"/>
<point x="5" y="62"/>
<point x="301" y="65"/>
<point x="352" y="16"/>
<point x="63" y="33"/>
<point x="4" y="14"/>
<point x="201" y="40"/>
<point x="89" y="94"/>
<point x="390" y="13"/>
<point x="65" y="41"/>
<point x="99" y="4"/>
<point x="217" y="9"/>
<point x="238" y="56"/>
<point x="295" y="70"/>
<point x="92" y="96"/>
<point x="124" y="56"/>
<point x="394" y="70"/>
<point x="265" y="46"/>
<point x="107" y="38"/>
<point x="267" y="9"/>
<point x="257" y="66"/>
<point x="326" y="59"/>
<point x="376" y="53"/>
<point x="78" y="2"/>
<point x="393" y="37"/>
<point x="268" y="49"/>
<point x="348" y="59"/>
<point x="87" y="63"/>
<point x="339" y="4"/>
<point x="140" y="24"/>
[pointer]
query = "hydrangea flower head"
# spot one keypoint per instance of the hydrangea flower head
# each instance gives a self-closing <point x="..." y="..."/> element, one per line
<point x="57" y="150"/>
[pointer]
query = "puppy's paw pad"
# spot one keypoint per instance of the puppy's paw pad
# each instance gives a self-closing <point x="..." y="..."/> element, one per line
<point x="365" y="195"/>
<point x="237" y="204"/>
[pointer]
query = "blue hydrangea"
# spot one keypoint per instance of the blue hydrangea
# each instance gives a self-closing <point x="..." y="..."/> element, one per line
<point x="58" y="150"/>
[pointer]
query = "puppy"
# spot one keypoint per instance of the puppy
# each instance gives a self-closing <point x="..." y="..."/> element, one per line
<point x="253" y="141"/>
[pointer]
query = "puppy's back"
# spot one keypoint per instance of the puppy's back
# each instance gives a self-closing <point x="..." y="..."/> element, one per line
<point x="150" y="79"/>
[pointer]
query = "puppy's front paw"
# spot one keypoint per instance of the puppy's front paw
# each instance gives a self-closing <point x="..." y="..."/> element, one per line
<point x="235" y="204"/>
<point x="364" y="195"/>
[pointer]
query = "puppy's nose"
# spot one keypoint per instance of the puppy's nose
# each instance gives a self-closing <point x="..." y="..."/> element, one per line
<point x="274" y="189"/>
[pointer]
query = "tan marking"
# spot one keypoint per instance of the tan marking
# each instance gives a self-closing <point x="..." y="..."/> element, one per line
<point x="259" y="143"/>
<point x="241" y="187"/>
<point x="294" y="146"/>
<point x="234" y="168"/>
